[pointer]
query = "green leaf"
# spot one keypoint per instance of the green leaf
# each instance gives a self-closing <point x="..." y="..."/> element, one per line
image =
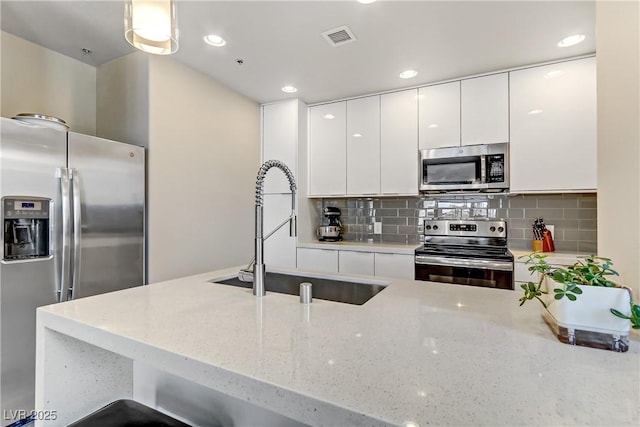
<point x="618" y="313"/>
<point x="558" y="291"/>
<point x="558" y="296"/>
<point x="577" y="290"/>
<point x="571" y="297"/>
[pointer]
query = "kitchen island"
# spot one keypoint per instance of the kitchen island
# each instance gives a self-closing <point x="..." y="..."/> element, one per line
<point x="417" y="353"/>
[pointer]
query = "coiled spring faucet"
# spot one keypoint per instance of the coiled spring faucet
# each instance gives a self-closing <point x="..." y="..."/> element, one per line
<point x="258" y="272"/>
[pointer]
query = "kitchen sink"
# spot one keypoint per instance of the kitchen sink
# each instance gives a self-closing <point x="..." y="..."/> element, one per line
<point x="329" y="289"/>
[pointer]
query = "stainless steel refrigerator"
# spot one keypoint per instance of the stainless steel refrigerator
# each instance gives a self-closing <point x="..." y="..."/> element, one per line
<point x="73" y="226"/>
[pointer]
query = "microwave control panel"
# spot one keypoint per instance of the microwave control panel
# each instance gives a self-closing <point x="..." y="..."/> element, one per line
<point x="495" y="168"/>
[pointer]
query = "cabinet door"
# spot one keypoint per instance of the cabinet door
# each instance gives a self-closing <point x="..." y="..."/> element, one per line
<point x="395" y="265"/>
<point x="351" y="262"/>
<point x="553" y="127"/>
<point x="522" y="274"/>
<point x="279" y="142"/>
<point x="439" y="109"/>
<point x="363" y="146"/>
<point x="399" y="142"/>
<point x="485" y="110"/>
<point x="280" y="248"/>
<point x="328" y="149"/>
<point x="324" y="260"/>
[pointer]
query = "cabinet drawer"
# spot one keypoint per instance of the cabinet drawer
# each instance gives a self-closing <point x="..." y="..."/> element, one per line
<point x="356" y="263"/>
<point x="323" y="260"/>
<point x="395" y="265"/>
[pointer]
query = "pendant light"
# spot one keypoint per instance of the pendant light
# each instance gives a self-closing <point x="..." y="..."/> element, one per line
<point x="151" y="25"/>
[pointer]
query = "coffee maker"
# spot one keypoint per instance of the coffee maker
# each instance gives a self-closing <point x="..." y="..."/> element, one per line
<point x="332" y="231"/>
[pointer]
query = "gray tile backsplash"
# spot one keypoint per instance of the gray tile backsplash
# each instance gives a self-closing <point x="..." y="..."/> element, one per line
<point x="573" y="215"/>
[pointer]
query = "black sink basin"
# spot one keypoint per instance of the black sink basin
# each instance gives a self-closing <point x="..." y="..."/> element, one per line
<point x="322" y="288"/>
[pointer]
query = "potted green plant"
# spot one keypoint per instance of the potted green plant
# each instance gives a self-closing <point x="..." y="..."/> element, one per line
<point x="580" y="302"/>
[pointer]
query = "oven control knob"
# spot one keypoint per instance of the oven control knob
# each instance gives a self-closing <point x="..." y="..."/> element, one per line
<point x="435" y="227"/>
<point x="492" y="229"/>
<point x="500" y="229"/>
<point x="427" y="227"/>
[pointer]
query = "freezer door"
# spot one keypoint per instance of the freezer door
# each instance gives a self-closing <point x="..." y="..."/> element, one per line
<point x="30" y="159"/>
<point x="108" y="192"/>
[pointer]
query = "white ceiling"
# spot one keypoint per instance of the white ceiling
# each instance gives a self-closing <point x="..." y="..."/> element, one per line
<point x="280" y="42"/>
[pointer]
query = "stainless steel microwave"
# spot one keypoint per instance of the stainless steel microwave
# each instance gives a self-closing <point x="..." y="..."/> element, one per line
<point x="472" y="168"/>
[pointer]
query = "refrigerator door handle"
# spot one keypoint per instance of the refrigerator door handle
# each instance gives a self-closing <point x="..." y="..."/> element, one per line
<point x="77" y="232"/>
<point x="63" y="266"/>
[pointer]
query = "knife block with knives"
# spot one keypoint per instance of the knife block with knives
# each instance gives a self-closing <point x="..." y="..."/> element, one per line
<point x="542" y="237"/>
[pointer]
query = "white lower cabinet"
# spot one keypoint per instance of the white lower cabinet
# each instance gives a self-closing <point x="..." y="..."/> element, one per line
<point x="522" y="274"/>
<point x="324" y="260"/>
<point x="400" y="266"/>
<point x="356" y="263"/>
<point x="395" y="265"/>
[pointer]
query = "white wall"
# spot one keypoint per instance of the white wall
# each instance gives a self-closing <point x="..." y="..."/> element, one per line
<point x="618" y="67"/>
<point x="123" y="99"/>
<point x="203" y="158"/>
<point x="203" y="151"/>
<point x="38" y="80"/>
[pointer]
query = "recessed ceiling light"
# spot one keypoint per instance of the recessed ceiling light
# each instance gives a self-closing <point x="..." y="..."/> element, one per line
<point x="329" y="116"/>
<point x="571" y="40"/>
<point x="357" y="135"/>
<point x="366" y="1"/>
<point x="214" y="40"/>
<point x="407" y="74"/>
<point x="433" y="125"/>
<point x="534" y="112"/>
<point x="289" y="89"/>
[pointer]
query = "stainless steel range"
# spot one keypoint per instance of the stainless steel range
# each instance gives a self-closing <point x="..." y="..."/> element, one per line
<point x="465" y="252"/>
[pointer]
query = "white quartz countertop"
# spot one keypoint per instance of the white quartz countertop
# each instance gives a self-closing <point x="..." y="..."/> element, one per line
<point x="392" y="248"/>
<point x="418" y="353"/>
<point x="556" y="257"/>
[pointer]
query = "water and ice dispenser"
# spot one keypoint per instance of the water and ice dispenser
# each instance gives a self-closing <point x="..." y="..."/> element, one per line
<point x="26" y="228"/>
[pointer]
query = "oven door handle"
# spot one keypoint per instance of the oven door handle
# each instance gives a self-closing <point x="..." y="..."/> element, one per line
<point x="481" y="264"/>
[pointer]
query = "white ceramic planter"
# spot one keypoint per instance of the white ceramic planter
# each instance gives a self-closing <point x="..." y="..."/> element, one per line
<point x="588" y="320"/>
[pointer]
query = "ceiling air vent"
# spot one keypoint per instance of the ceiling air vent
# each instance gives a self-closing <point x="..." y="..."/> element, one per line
<point x="339" y="36"/>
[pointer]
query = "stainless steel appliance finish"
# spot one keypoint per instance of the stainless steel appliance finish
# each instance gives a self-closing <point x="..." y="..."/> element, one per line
<point x="92" y="191"/>
<point x="466" y="252"/>
<point x="471" y="168"/>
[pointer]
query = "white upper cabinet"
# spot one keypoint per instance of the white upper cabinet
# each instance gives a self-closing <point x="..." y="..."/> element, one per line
<point x="363" y="146"/>
<point x="328" y="149"/>
<point x="485" y="110"/>
<point x="280" y="142"/>
<point x="553" y="127"/>
<point x="399" y="142"/>
<point x="439" y="108"/>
